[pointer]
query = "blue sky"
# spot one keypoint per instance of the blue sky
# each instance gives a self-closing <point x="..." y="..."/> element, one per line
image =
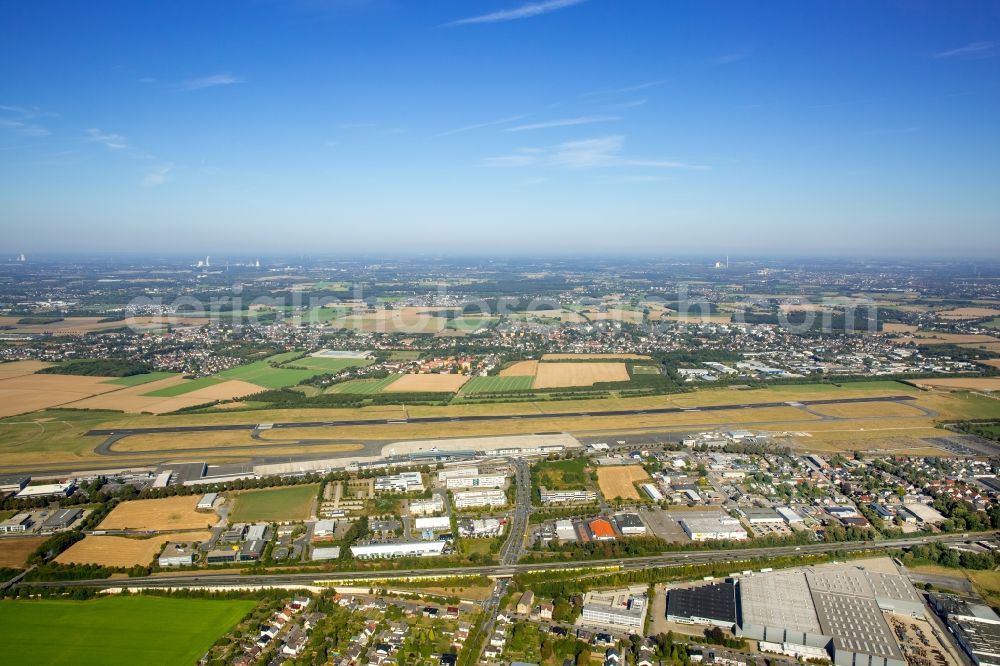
<point x="321" y="126"/>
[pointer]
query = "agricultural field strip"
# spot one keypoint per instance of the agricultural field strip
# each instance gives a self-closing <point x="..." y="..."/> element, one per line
<point x="124" y="432"/>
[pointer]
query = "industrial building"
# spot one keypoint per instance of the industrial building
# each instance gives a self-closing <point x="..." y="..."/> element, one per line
<point x="975" y="626"/>
<point x="207" y="501"/>
<point x="652" y="492"/>
<point x="615" y="608"/>
<point x="713" y="605"/>
<point x="17" y="523"/>
<point x="404" y="482"/>
<point x="601" y="530"/>
<point x="48" y="490"/>
<point x="565" y="531"/>
<point x="61" y="519"/>
<point x="706" y="526"/>
<point x="835" y="607"/>
<point x="177" y="554"/>
<point x="629" y="524"/>
<point x="567" y="496"/>
<point x="923" y="513"/>
<point x="13" y="483"/>
<point x="479" y="498"/>
<point x="401" y="549"/>
<point x="433" y="523"/>
<point x="325" y="553"/>
<point x="324" y="529"/>
<point x="756" y="515"/>
<point x="790" y="516"/>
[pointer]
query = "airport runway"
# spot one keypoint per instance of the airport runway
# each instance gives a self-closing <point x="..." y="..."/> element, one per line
<point x="127" y="432"/>
<point x="739" y="558"/>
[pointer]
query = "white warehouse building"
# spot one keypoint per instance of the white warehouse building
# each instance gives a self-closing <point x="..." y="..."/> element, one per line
<point x="392" y="550"/>
<point x="477" y="498"/>
<point x="483" y="481"/>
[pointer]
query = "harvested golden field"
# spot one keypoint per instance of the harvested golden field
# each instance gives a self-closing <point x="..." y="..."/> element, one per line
<point x="169" y="513"/>
<point x="14" y="551"/>
<point x="895" y="327"/>
<point x="558" y="375"/>
<point x="993" y="362"/>
<point x="931" y="338"/>
<point x="520" y="369"/>
<point x="631" y="316"/>
<point x="426" y="384"/>
<point x="962" y="383"/>
<point x="29" y="393"/>
<point x="133" y="398"/>
<point x="403" y="320"/>
<point x="591" y="357"/>
<point x="968" y="313"/>
<point x="116" y="551"/>
<point x="18" y="368"/>
<point x="619" y="481"/>
<point x="988" y="346"/>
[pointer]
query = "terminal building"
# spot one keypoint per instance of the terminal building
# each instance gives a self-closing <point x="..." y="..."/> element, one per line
<point x="404" y="482"/>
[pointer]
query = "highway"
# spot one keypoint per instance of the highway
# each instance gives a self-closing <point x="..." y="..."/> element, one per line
<point x="127" y="432"/>
<point x="736" y="556"/>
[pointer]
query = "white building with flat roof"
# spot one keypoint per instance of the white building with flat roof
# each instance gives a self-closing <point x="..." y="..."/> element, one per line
<point x="480" y="481"/>
<point x="457" y="472"/>
<point x="615" y="608"/>
<point x="49" y="490"/>
<point x="469" y="499"/>
<point x="433" y="523"/>
<point x="401" y="549"/>
<point x="404" y="482"/>
<point x="567" y="496"/>
<point x="713" y="526"/>
<point x="426" y="507"/>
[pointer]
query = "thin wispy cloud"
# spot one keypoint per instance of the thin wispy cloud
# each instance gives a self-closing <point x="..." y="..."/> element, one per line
<point x="975" y="50"/>
<point x="563" y="122"/>
<point x="212" y="81"/>
<point x="109" y="140"/>
<point x="631" y="104"/>
<point x="21" y="119"/>
<point x="157" y="176"/>
<point x="523" y="12"/>
<point x="598" y="152"/>
<point x="483" y="125"/>
<point x="627" y="89"/>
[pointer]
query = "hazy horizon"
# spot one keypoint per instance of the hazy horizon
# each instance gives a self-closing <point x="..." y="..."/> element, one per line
<point x="501" y="128"/>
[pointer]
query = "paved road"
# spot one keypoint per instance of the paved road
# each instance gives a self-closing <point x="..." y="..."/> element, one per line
<point x="125" y="432"/>
<point x="736" y="556"/>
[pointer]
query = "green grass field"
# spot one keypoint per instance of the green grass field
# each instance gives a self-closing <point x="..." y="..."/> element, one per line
<point x="993" y="323"/>
<point x="138" y="380"/>
<point x="561" y="474"/>
<point x="186" y="387"/>
<point x="262" y="373"/>
<point x="497" y="384"/>
<point x="279" y="504"/>
<point x="116" y="630"/>
<point x="363" y="386"/>
<point x="472" y="323"/>
<point x="645" y="370"/>
<point x="331" y="365"/>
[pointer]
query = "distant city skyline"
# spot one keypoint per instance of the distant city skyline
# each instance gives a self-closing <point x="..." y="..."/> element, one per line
<point x="318" y="127"/>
